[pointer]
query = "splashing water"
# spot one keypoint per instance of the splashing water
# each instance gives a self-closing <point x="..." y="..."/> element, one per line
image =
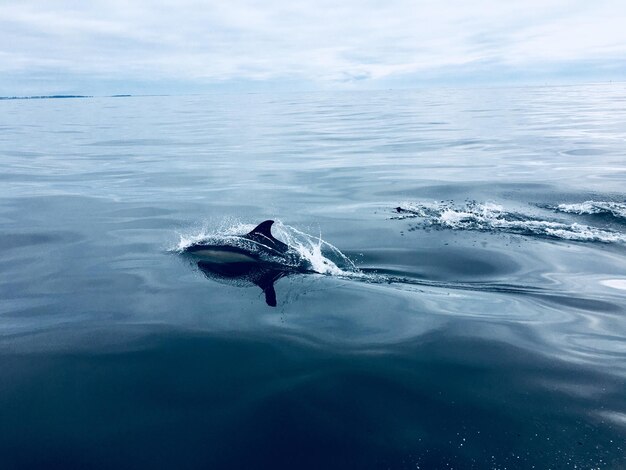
<point x="228" y="231"/>
<point x="314" y="253"/>
<point x="318" y="252"/>
<point x="490" y="217"/>
<point x="615" y="209"/>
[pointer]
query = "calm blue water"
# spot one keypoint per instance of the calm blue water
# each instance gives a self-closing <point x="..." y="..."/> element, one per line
<point x="483" y="327"/>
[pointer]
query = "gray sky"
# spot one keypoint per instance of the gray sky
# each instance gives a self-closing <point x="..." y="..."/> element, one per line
<point x="141" y="46"/>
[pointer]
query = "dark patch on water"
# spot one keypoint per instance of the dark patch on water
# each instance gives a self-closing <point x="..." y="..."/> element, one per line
<point x="10" y="241"/>
<point x="413" y="404"/>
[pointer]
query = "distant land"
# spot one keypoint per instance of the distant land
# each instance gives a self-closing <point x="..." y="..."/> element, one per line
<point x="42" y="97"/>
<point x="50" y="97"/>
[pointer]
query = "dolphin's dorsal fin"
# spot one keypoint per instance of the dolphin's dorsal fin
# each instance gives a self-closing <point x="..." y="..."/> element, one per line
<point x="264" y="228"/>
<point x="262" y="233"/>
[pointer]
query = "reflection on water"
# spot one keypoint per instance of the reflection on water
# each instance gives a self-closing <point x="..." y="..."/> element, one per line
<point x="486" y="330"/>
<point x="242" y="274"/>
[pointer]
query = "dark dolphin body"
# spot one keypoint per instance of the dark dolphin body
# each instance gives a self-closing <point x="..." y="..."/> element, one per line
<point x="254" y="258"/>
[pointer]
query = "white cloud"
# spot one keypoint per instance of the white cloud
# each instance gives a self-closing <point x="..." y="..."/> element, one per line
<point x="326" y="42"/>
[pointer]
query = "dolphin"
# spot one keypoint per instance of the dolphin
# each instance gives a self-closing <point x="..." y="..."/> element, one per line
<point x="254" y="258"/>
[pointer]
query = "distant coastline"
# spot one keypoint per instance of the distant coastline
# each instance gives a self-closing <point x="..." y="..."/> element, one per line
<point x="52" y="97"/>
<point x="42" y="97"/>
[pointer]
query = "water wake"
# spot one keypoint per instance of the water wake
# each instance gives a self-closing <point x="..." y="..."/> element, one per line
<point x="490" y="217"/>
<point x="614" y="209"/>
<point x="321" y="257"/>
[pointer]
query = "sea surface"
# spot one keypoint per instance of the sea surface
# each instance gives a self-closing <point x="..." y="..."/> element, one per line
<point x="467" y="307"/>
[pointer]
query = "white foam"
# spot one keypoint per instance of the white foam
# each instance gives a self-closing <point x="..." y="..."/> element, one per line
<point x="616" y="209"/>
<point x="493" y="217"/>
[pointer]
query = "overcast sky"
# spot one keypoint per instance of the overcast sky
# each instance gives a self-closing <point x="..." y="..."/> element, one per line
<point x="114" y="46"/>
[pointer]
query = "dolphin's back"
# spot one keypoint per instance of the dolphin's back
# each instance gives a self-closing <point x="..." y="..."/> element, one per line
<point x="251" y="247"/>
<point x="223" y="254"/>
